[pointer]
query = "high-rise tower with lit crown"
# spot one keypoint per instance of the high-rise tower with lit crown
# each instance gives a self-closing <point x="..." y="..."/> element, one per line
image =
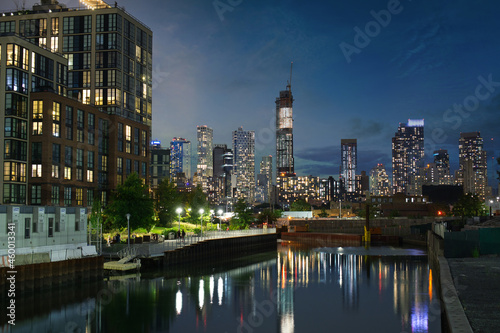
<point x="284" y="131"/>
<point x="407" y="154"/>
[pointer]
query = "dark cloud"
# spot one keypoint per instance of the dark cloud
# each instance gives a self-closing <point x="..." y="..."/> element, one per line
<point x="361" y="128"/>
<point x="319" y="154"/>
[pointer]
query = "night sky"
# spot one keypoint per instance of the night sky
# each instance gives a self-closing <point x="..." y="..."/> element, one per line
<point x="359" y="69"/>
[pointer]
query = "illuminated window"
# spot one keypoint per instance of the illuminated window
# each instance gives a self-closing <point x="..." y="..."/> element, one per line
<point x="55" y="171"/>
<point x="86" y="96"/>
<point x="79" y="197"/>
<point x="56" y="130"/>
<point x="67" y="173"/>
<point x="37" y="128"/>
<point x="90" y="176"/>
<point x="36" y="170"/>
<point x="56" y="111"/>
<point x="54" y="44"/>
<point x="37" y="110"/>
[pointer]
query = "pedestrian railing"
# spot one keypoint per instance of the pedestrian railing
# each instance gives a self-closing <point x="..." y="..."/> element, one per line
<point x="157" y="249"/>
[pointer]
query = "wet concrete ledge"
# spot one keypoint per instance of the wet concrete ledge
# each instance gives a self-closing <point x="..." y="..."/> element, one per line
<point x="455" y="314"/>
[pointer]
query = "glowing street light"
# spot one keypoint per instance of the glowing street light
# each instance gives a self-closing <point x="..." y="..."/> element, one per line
<point x="179" y="211"/>
<point x="128" y="228"/>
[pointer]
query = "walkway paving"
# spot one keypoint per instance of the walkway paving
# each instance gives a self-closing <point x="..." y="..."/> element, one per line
<point x="477" y="281"/>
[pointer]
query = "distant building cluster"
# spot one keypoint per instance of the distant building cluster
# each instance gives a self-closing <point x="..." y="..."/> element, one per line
<point x="77" y="101"/>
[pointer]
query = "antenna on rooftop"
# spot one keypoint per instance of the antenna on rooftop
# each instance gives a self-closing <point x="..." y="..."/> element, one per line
<point x="19" y="5"/>
<point x="289" y="83"/>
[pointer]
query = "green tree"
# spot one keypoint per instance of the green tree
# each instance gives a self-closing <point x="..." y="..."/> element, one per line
<point x="131" y="197"/>
<point x="469" y="205"/>
<point x="300" y="206"/>
<point x="168" y="199"/>
<point x="268" y="216"/>
<point x="243" y="213"/>
<point x="198" y="200"/>
<point x="96" y="216"/>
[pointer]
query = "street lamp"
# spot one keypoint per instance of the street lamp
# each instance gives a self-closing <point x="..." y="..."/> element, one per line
<point x="128" y="228"/>
<point x="220" y="216"/>
<point x="179" y="211"/>
<point x="201" y="221"/>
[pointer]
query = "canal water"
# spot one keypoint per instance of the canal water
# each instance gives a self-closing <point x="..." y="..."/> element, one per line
<point x="295" y="289"/>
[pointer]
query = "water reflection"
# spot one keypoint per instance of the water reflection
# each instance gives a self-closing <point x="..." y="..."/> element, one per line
<point x="291" y="290"/>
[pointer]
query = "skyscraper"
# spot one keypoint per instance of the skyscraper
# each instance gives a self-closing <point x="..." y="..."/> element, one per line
<point x="284" y="131"/>
<point x="442" y="164"/>
<point x="264" y="179"/>
<point x="244" y="163"/>
<point x="180" y="159"/>
<point x="223" y="166"/>
<point x="205" y="166"/>
<point x="472" y="164"/>
<point x="407" y="154"/>
<point x="349" y="161"/>
<point x="380" y="184"/>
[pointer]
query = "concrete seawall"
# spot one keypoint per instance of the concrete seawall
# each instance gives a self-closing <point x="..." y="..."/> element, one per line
<point x="454" y="314"/>
<point x="222" y="249"/>
<point x="44" y="276"/>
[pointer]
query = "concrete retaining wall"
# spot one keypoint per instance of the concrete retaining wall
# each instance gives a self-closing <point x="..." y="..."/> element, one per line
<point x="222" y="249"/>
<point x="46" y="275"/>
<point x="454" y="314"/>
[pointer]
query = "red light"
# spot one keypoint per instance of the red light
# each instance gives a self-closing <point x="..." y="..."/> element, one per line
<point x="440" y="213"/>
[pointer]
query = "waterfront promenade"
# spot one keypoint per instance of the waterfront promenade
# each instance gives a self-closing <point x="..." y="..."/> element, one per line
<point x="477" y="282"/>
<point x="157" y="249"/>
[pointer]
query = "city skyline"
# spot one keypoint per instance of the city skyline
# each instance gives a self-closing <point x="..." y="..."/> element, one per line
<point x="221" y="68"/>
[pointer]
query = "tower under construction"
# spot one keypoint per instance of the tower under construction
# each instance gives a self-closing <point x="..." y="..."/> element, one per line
<point x="284" y="131"/>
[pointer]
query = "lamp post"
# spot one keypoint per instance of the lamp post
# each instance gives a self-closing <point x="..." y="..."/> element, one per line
<point x="201" y="221"/>
<point x="220" y="216"/>
<point x="179" y="211"/>
<point x="128" y="229"/>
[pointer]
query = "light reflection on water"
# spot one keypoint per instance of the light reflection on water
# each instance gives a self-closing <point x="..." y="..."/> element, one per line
<point x="296" y="289"/>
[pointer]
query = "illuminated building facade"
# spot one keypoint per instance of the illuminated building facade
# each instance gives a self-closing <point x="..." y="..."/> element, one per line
<point x="362" y="185"/>
<point x="407" y="154"/>
<point x="205" y="165"/>
<point x="221" y="188"/>
<point x="107" y="65"/>
<point x="472" y="173"/>
<point x="244" y="163"/>
<point x="180" y="159"/>
<point x="380" y="185"/>
<point x="160" y="164"/>
<point x="263" y="189"/>
<point x="349" y="161"/>
<point x="292" y="188"/>
<point x="284" y="132"/>
<point x="20" y="68"/>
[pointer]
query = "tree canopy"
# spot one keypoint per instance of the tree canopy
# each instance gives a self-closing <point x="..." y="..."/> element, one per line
<point x="132" y="197"/>
<point x="167" y="201"/>
<point x="469" y="205"/>
<point x="243" y="213"/>
<point x="300" y="206"/>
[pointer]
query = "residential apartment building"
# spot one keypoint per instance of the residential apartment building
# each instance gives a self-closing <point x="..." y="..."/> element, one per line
<point x="244" y="163"/>
<point x="94" y="102"/>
